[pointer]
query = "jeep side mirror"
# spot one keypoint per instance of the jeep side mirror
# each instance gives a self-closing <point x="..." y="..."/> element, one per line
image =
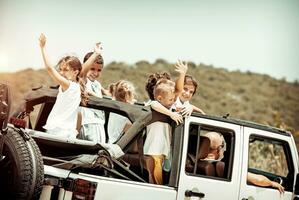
<point x="4" y="106"/>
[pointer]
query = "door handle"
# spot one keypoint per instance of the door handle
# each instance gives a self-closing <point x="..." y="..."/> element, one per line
<point x="190" y="193"/>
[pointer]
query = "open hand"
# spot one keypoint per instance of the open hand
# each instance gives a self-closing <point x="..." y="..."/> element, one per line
<point x="278" y="186"/>
<point x="177" y="117"/>
<point x="98" y="48"/>
<point x="181" y="67"/>
<point x="187" y="110"/>
<point x="42" y="40"/>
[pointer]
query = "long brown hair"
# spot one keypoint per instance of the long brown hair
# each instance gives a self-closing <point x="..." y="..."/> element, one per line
<point x="124" y="90"/>
<point x="74" y="63"/>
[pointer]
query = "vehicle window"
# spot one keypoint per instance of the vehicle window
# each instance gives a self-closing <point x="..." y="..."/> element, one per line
<point x="34" y="114"/>
<point x="210" y="152"/>
<point x="271" y="158"/>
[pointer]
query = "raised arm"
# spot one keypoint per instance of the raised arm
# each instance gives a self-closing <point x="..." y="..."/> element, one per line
<point x="180" y="67"/>
<point x="88" y="64"/>
<point x="162" y="109"/>
<point x="58" y="78"/>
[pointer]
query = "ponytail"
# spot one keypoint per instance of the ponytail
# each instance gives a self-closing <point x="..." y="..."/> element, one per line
<point x="84" y="95"/>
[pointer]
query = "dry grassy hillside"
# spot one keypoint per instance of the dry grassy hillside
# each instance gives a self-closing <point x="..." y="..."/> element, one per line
<point x="248" y="96"/>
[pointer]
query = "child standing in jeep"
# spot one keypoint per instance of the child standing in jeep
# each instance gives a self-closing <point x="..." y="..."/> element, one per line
<point x="158" y="137"/>
<point x="63" y="116"/>
<point x="93" y="120"/>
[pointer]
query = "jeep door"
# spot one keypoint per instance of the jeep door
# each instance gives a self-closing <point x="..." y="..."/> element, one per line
<point x="271" y="155"/>
<point x="194" y="181"/>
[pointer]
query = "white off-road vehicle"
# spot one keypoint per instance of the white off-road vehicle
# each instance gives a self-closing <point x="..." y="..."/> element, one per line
<point x="36" y="165"/>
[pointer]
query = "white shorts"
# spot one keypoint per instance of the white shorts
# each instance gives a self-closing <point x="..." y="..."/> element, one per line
<point x="93" y="132"/>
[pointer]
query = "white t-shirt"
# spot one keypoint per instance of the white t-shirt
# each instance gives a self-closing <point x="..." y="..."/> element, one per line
<point x="94" y="86"/>
<point x="158" y="139"/>
<point x="116" y="125"/>
<point x="90" y="115"/>
<point x="65" y="110"/>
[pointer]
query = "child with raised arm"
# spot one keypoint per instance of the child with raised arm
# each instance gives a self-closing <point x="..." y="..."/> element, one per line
<point x="93" y="120"/>
<point x="182" y="103"/>
<point x="93" y="63"/>
<point x="124" y="91"/>
<point x="186" y="87"/>
<point x="181" y="68"/>
<point x="62" y="119"/>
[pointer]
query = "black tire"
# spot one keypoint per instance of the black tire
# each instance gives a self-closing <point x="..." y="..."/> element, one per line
<point x="38" y="168"/>
<point x="21" y="170"/>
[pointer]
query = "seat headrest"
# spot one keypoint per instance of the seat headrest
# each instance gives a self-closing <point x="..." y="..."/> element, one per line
<point x="204" y="147"/>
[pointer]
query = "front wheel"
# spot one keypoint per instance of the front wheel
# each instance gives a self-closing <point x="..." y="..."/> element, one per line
<point x="21" y="167"/>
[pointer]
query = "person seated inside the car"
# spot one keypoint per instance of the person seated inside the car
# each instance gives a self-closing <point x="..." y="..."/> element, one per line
<point x="261" y="180"/>
<point x="217" y="148"/>
<point x="210" y="155"/>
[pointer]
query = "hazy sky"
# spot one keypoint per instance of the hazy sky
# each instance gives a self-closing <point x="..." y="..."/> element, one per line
<point x="256" y="35"/>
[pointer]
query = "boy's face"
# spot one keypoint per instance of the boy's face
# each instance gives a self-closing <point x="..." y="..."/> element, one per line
<point x="95" y="71"/>
<point x="187" y="92"/>
<point x="167" y="100"/>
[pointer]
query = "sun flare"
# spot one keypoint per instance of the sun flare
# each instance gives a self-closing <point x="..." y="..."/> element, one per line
<point x="3" y="61"/>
